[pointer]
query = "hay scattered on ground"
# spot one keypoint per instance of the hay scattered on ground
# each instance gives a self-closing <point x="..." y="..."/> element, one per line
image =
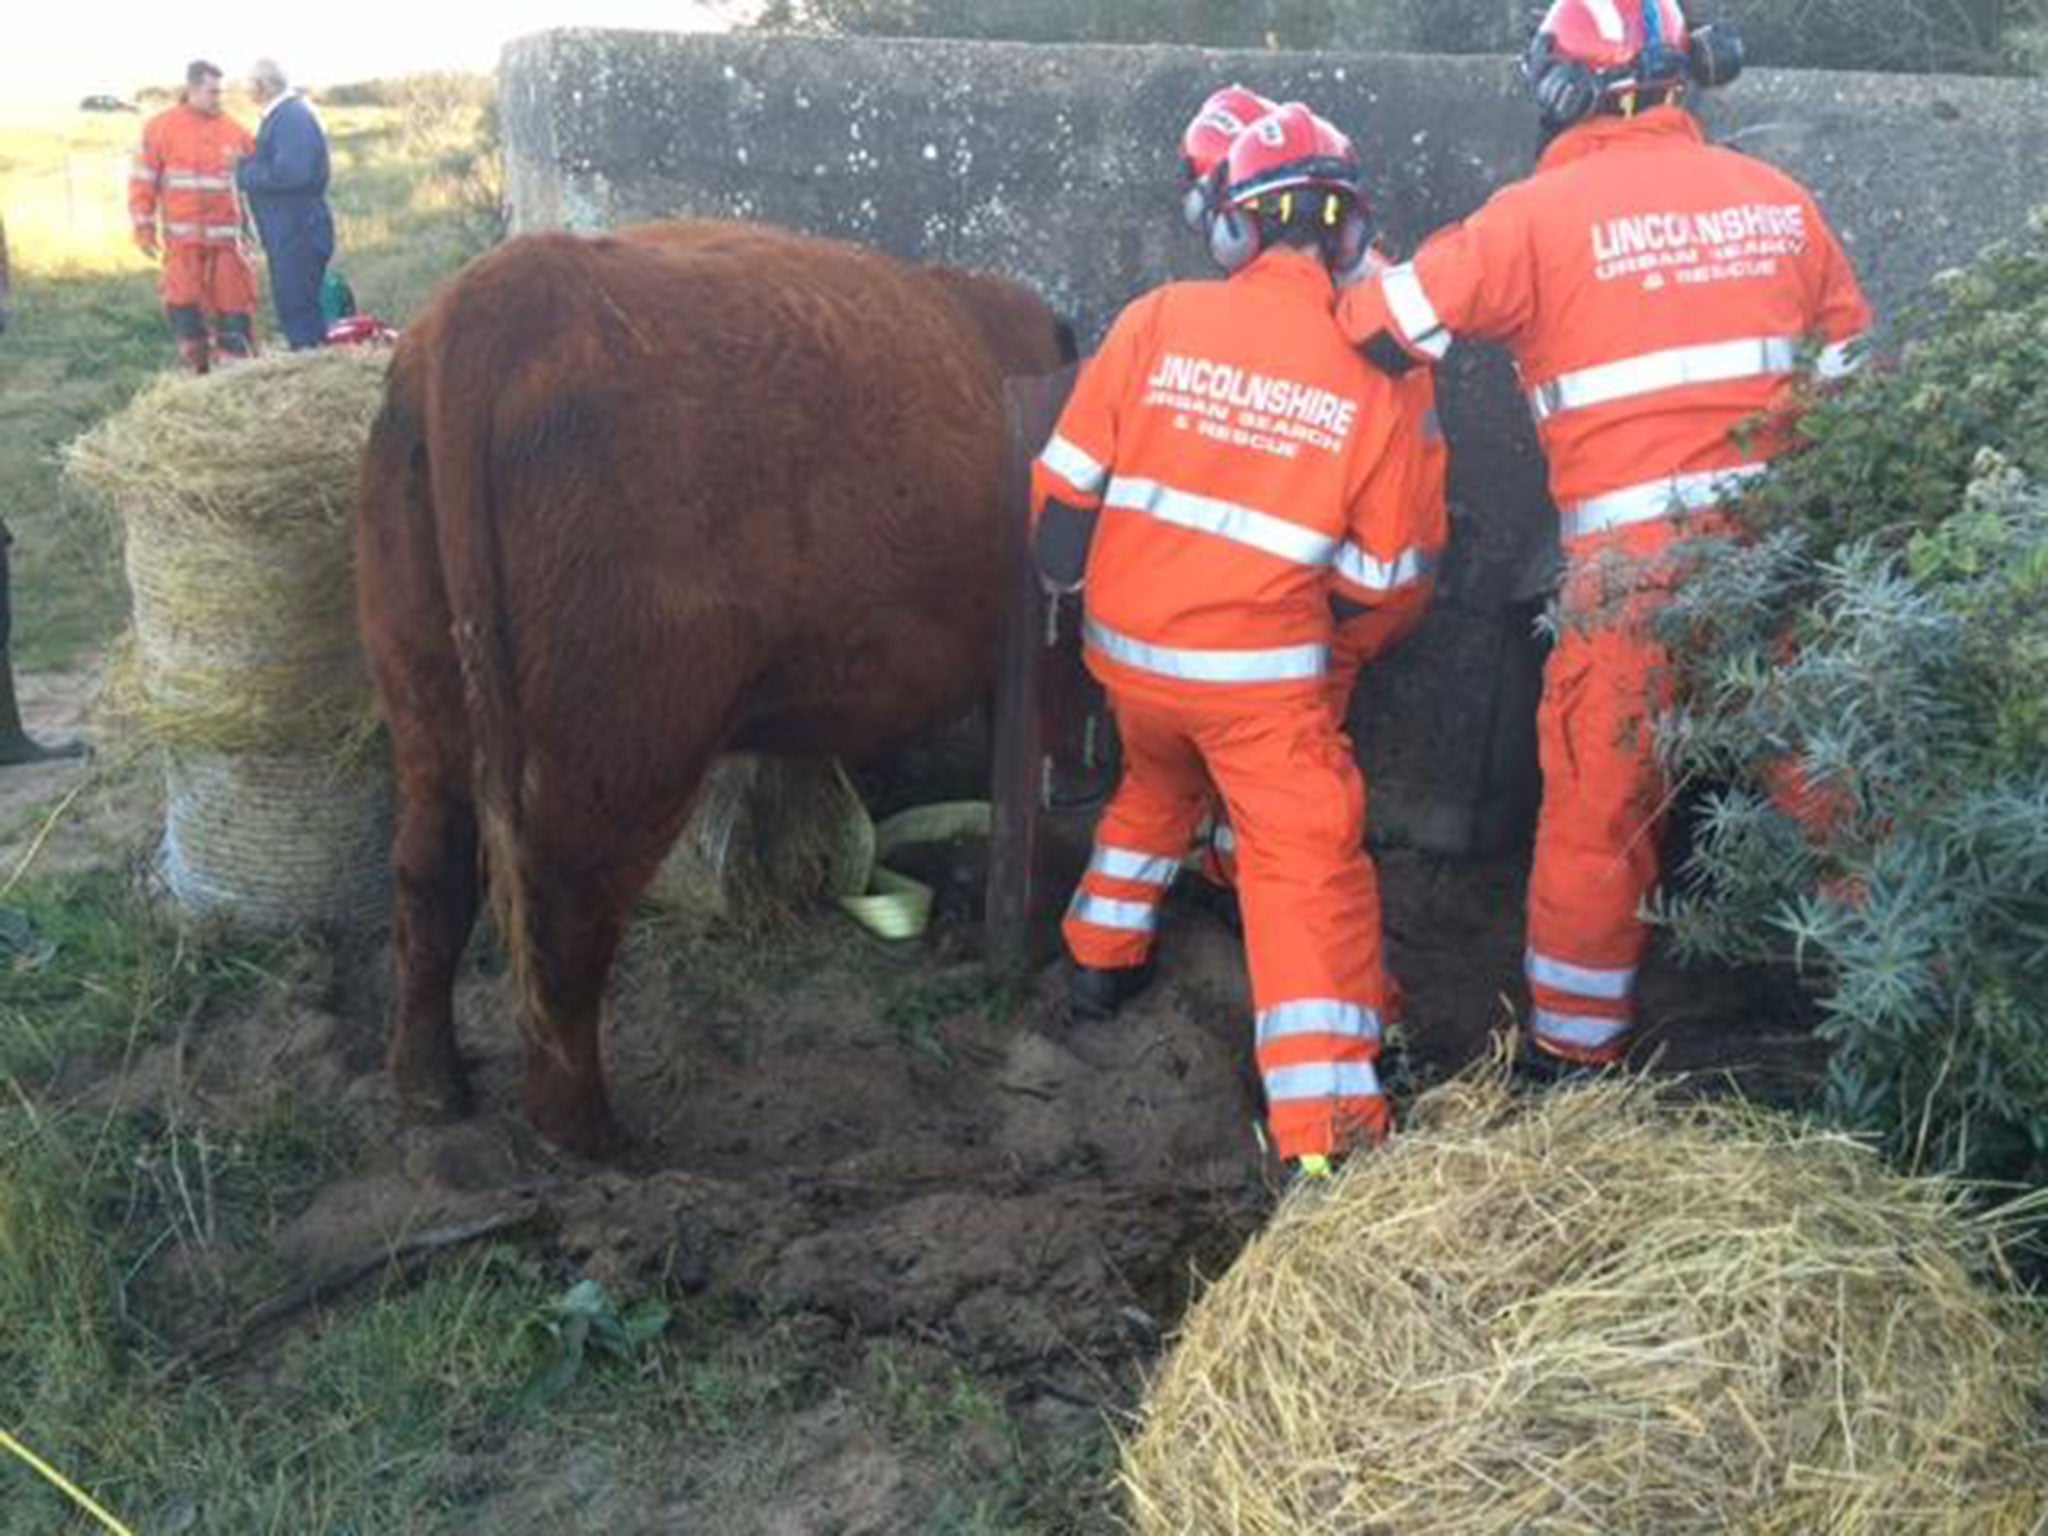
<point x="236" y="494"/>
<point x="1603" y="1310"/>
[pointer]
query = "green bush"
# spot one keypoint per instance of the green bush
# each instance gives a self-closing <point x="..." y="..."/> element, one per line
<point x="1886" y="632"/>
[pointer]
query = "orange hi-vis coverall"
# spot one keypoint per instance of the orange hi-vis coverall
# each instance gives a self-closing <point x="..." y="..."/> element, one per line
<point x="1660" y="297"/>
<point x="1226" y="474"/>
<point x="1364" y="638"/>
<point x="183" y="181"/>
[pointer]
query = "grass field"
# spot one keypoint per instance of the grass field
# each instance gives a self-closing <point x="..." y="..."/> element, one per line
<point x="411" y="206"/>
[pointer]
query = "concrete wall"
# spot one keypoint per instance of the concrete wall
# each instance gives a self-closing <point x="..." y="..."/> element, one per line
<point x="1056" y="166"/>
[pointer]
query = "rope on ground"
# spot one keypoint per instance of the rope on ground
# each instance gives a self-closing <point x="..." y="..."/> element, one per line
<point x="64" y="1484"/>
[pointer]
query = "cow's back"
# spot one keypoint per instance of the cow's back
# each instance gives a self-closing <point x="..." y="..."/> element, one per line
<point x="716" y="443"/>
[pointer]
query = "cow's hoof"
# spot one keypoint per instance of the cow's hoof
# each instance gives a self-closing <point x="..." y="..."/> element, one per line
<point x="433" y="1095"/>
<point x="581" y="1130"/>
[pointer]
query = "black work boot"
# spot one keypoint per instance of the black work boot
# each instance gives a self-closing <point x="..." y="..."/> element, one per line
<point x="1095" y="995"/>
<point x="15" y="745"/>
<point x="188" y="330"/>
<point x="1534" y="1067"/>
<point x="234" y="339"/>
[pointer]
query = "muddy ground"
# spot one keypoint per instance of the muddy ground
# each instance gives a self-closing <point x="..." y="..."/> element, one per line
<point x="826" y="1127"/>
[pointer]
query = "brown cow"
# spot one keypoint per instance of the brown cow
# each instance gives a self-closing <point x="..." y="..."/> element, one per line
<point x="632" y="502"/>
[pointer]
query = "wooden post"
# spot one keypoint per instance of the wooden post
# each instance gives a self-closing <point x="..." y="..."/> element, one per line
<point x="1031" y="406"/>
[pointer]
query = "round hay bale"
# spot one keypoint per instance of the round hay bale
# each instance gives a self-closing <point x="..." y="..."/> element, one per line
<point x="277" y="841"/>
<point x="1604" y="1310"/>
<point x="236" y="495"/>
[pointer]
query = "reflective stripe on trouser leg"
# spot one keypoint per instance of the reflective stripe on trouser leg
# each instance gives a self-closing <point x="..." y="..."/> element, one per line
<point x="1139" y="842"/>
<point x="1597" y="838"/>
<point x="1312" y="921"/>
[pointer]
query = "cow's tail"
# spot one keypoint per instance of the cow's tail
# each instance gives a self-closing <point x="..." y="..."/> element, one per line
<point x="467" y="513"/>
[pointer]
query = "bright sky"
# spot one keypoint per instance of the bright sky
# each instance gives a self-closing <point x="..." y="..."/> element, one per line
<point x="59" y="50"/>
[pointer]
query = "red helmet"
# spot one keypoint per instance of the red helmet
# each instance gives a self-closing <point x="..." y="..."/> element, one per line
<point x="1205" y="145"/>
<point x="1287" y="148"/>
<point x="1206" y="141"/>
<point x="1607" y="35"/>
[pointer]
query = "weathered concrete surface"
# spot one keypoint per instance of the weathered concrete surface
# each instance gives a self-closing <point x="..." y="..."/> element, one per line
<point x="1056" y="165"/>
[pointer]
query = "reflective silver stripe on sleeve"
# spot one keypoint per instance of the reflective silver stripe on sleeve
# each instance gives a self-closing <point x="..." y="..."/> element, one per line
<point x="144" y="175"/>
<point x="1073" y="465"/>
<point x="1374" y="575"/>
<point x="1841" y="359"/>
<point x="1586" y="1031"/>
<point x="1652" y="372"/>
<point x="179" y="227"/>
<point x="1319" y="1016"/>
<point x="1332" y="1080"/>
<point x="1412" y="311"/>
<point x="1654" y="499"/>
<point x="1226" y="520"/>
<point x="1579" y="980"/>
<point x="198" y="181"/>
<point x="1106" y="912"/>
<point x="1128" y="864"/>
<point x="223" y="231"/>
<point x="1287" y="663"/>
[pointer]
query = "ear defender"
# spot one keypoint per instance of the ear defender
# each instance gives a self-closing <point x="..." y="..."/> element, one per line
<point x="1716" y="56"/>
<point x="1566" y="90"/>
<point x="1233" y="238"/>
<point x="1348" y="238"/>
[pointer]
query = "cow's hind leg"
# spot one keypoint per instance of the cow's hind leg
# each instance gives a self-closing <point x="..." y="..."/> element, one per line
<point x="437" y="895"/>
<point x="577" y="907"/>
<point x="595" y="833"/>
<point x="577" y="923"/>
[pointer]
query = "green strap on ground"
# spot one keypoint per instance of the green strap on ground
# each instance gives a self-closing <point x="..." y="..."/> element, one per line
<point x="886" y="903"/>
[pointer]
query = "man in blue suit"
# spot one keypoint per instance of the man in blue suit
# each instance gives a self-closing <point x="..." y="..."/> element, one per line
<point x="285" y="181"/>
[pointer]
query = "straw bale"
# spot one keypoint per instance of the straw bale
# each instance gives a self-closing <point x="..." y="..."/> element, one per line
<point x="235" y="492"/>
<point x="1603" y="1309"/>
<point x="278" y="841"/>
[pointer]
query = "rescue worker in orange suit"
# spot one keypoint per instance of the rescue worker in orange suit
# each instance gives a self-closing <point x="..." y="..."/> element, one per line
<point x="183" y="185"/>
<point x="1224" y="481"/>
<point x="1408" y="584"/>
<point x="1660" y="296"/>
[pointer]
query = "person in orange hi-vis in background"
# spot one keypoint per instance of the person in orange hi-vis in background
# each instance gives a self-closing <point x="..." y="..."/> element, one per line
<point x="1407" y="584"/>
<point x="1661" y="298"/>
<point x="1227" y="477"/>
<point x="184" y="183"/>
